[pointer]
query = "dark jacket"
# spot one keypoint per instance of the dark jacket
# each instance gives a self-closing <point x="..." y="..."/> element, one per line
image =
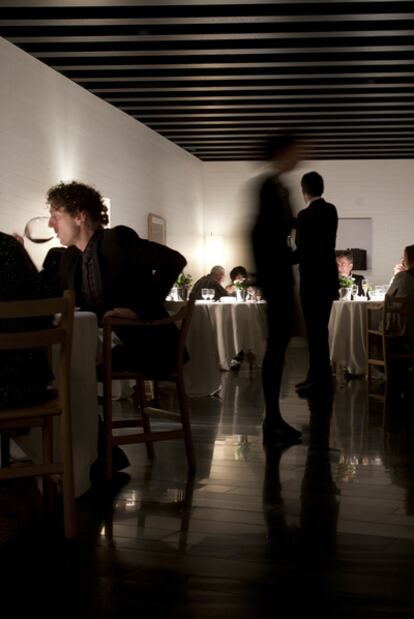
<point x="315" y="241"/>
<point x="207" y="281"/>
<point x="137" y="274"/>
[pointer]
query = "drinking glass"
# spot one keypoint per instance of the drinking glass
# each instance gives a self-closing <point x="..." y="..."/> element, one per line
<point x="37" y="230"/>
<point x="205" y="293"/>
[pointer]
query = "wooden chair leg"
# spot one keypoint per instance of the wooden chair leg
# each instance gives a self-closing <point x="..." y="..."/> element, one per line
<point x="107" y="429"/>
<point x="5" y="449"/>
<point x="48" y="483"/>
<point x="69" y="506"/>
<point x="185" y="420"/>
<point x="140" y="385"/>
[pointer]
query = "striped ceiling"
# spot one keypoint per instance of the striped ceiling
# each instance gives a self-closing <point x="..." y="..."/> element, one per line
<point x="218" y="77"/>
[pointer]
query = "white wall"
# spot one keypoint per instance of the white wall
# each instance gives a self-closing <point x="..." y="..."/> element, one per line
<point x="52" y="130"/>
<point x="382" y="190"/>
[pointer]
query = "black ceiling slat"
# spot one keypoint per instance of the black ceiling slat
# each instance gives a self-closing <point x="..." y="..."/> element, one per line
<point x="154" y="10"/>
<point x="93" y="28"/>
<point x="223" y="45"/>
<point x="264" y="56"/>
<point x="216" y="78"/>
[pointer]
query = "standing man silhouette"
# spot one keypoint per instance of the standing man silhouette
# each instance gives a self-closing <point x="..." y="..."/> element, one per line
<point x="273" y="260"/>
<point x="315" y="241"/>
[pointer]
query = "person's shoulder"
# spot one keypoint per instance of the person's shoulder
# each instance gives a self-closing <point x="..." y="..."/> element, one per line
<point x="403" y="276"/>
<point x="328" y="205"/>
<point x="120" y="232"/>
<point x="8" y="242"/>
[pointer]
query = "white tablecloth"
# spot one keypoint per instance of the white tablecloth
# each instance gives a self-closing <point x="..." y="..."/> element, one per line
<point x="347" y="325"/>
<point x="84" y="404"/>
<point x="217" y="333"/>
<point x="239" y="326"/>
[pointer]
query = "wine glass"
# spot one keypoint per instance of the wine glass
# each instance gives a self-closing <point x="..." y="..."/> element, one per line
<point x="211" y="294"/>
<point x="37" y="230"/>
<point x="354" y="291"/>
<point x="365" y="285"/>
<point x="205" y="293"/>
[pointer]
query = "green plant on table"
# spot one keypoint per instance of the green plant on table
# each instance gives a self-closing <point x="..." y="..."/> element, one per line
<point x="184" y="279"/>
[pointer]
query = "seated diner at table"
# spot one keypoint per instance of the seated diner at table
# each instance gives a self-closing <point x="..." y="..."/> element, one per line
<point x="402" y="285"/>
<point x="24" y="374"/>
<point x="237" y="274"/>
<point x="344" y="263"/>
<point x="213" y="280"/>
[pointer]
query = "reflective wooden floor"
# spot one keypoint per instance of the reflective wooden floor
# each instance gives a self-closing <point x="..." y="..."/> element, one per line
<point x="326" y="526"/>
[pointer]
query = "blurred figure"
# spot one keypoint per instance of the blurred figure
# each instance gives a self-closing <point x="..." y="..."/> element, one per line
<point x="24" y="374"/>
<point x="315" y="241"/>
<point x="213" y="280"/>
<point x="273" y="260"/>
<point x="345" y="264"/>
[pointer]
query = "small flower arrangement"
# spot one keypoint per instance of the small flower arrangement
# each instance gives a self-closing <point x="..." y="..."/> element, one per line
<point x="184" y="279"/>
<point x="240" y="284"/>
<point x="345" y="282"/>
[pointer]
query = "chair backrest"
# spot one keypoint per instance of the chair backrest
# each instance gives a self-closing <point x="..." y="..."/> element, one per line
<point x="182" y="318"/>
<point x="43" y="338"/>
<point x="398" y="316"/>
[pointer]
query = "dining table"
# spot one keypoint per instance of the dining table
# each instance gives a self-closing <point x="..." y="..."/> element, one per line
<point x="347" y="334"/>
<point x="218" y="332"/>
<point x="84" y="404"/>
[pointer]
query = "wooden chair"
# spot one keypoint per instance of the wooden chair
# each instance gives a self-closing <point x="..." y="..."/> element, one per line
<point x="374" y="347"/>
<point x="385" y="345"/>
<point x="42" y="414"/>
<point x="147" y="436"/>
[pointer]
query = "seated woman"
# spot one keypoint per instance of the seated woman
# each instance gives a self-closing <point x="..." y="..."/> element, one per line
<point x="401" y="327"/>
<point x="237" y="274"/>
<point x="402" y="285"/>
<point x="24" y="374"/>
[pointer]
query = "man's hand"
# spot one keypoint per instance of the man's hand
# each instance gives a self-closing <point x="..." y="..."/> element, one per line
<point x="121" y="312"/>
<point x="398" y="268"/>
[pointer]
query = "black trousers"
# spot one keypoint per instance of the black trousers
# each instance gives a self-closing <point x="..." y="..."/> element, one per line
<point x="316" y="312"/>
<point x="279" y="325"/>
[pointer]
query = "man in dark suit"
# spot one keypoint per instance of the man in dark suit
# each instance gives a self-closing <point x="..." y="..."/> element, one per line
<point x="315" y="240"/>
<point x="272" y="256"/>
<point x="113" y="272"/>
<point x="345" y="264"/>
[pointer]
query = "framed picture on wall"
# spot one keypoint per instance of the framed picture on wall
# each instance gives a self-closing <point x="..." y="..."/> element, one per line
<point x="157" y="228"/>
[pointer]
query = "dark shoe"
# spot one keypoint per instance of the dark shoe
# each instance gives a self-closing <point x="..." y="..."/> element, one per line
<point x="240" y="356"/>
<point x="304" y="383"/>
<point x="280" y="434"/>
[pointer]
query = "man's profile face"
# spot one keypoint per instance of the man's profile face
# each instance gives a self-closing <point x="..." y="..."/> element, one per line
<point x="66" y="226"/>
<point x="344" y="265"/>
